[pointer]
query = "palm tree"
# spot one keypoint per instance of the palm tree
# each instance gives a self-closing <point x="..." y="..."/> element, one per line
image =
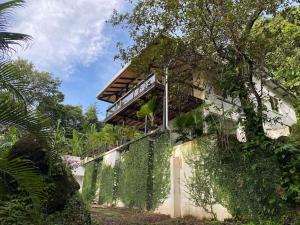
<point x="147" y="111"/>
<point x="14" y="111"/>
<point x="189" y="125"/>
<point x="9" y="39"/>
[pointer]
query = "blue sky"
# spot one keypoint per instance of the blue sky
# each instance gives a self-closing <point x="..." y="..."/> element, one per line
<point x="72" y="41"/>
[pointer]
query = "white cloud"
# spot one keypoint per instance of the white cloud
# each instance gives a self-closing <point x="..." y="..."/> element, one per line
<point x="65" y="33"/>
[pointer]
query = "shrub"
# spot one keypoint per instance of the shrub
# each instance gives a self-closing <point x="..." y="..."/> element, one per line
<point x="75" y="213"/>
<point x="18" y="210"/>
<point x="245" y="181"/>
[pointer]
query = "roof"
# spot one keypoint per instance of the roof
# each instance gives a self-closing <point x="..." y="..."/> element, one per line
<point x="120" y="81"/>
<point x="125" y="76"/>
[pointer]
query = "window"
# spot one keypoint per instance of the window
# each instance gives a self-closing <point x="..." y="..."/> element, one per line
<point x="274" y="103"/>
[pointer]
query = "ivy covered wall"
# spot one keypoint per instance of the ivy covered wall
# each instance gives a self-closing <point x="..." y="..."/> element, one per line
<point x="161" y="169"/>
<point x="133" y="174"/>
<point x="106" y="178"/>
<point x="140" y="179"/>
<point x="90" y="180"/>
<point x="145" y="172"/>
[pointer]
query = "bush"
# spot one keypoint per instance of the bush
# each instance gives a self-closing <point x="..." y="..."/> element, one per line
<point x="75" y="213"/>
<point x="243" y="177"/>
<point x="59" y="203"/>
<point x="18" y="211"/>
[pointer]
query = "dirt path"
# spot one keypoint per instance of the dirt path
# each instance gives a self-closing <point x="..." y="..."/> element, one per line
<point x="121" y="216"/>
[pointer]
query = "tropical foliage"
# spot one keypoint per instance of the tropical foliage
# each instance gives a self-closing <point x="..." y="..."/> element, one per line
<point x="34" y="182"/>
<point x="15" y="112"/>
<point x="148" y="110"/>
<point x="238" y="46"/>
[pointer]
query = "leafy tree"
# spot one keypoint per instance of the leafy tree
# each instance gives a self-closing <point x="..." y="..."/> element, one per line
<point x="77" y="143"/>
<point x="43" y="93"/>
<point x="71" y="118"/>
<point x="236" y="46"/>
<point x="215" y="37"/>
<point x="281" y="37"/>
<point x="91" y="118"/>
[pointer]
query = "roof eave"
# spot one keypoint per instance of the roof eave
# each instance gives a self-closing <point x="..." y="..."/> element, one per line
<point x="98" y="96"/>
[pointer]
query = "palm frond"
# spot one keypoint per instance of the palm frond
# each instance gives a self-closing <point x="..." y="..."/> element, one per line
<point x="12" y="114"/>
<point x="27" y="178"/>
<point x="11" y="83"/>
<point x="9" y="39"/>
<point x="11" y="4"/>
<point x="148" y="108"/>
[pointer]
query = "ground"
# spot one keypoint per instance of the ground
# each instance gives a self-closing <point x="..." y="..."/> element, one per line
<point x="121" y="216"/>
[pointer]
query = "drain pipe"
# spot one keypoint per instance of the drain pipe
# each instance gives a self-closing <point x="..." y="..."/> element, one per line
<point x="166" y="98"/>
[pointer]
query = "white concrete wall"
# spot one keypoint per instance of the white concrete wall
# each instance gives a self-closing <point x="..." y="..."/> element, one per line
<point x="77" y="169"/>
<point x="178" y="202"/>
<point x="278" y="122"/>
<point x="111" y="157"/>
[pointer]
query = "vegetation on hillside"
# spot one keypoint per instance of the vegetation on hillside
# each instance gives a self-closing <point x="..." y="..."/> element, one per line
<point x="34" y="181"/>
<point x="233" y="44"/>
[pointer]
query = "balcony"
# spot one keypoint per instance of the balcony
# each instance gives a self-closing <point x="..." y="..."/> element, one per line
<point x="127" y="106"/>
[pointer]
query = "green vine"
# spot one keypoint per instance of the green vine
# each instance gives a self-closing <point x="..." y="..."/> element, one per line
<point x="141" y="178"/>
<point x="106" y="179"/>
<point x="246" y="182"/>
<point x="133" y="175"/>
<point x="90" y="181"/>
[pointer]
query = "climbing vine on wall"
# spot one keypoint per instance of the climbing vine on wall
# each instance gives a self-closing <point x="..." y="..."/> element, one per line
<point x="161" y="169"/>
<point x="141" y="178"/>
<point x="133" y="173"/>
<point x="247" y="183"/>
<point x="107" y="182"/>
<point x="90" y="180"/>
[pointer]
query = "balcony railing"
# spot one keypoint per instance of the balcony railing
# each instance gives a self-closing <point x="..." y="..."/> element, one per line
<point x="140" y="88"/>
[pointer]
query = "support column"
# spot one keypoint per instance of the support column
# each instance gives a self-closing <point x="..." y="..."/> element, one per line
<point x="175" y="187"/>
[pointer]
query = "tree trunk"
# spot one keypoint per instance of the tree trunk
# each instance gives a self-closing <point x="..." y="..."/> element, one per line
<point x="253" y="120"/>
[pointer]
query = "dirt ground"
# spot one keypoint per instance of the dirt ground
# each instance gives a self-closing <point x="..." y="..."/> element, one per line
<point x="121" y="216"/>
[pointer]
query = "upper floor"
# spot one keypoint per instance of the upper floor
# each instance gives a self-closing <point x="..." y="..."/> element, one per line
<point x="129" y="90"/>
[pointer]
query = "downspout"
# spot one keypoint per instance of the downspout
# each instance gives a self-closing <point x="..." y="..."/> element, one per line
<point x="167" y="95"/>
<point x="166" y="98"/>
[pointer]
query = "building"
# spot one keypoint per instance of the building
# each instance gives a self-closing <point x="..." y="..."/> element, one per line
<point x="128" y="91"/>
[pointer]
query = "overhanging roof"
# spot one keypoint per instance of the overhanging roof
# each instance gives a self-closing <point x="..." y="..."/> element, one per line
<point x="125" y="76"/>
<point x="120" y="81"/>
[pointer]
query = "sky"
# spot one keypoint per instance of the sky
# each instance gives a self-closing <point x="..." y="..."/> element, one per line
<point x="72" y="41"/>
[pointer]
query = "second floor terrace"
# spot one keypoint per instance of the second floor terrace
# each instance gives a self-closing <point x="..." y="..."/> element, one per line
<point x="129" y="91"/>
